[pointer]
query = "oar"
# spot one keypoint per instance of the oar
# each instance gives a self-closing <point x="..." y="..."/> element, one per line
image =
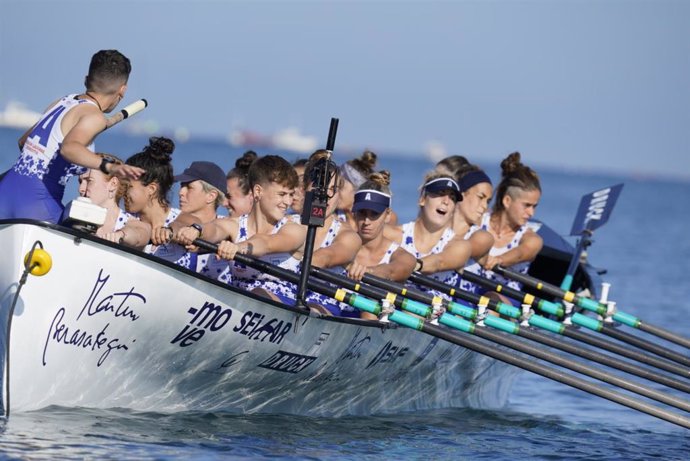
<point x="562" y="329"/>
<point x="466" y="341"/>
<point x="523" y="298"/>
<point x="582" y="320"/>
<point x="128" y="111"/>
<point x="592" y="305"/>
<point x="640" y="343"/>
<point x="498" y="306"/>
<point x="521" y="346"/>
<point x="539" y="322"/>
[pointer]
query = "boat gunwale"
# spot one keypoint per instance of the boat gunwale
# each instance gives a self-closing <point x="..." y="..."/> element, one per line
<point x="77" y="234"/>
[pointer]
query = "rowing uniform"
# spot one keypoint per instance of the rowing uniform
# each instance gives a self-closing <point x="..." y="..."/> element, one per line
<point x="34" y="187"/>
<point x="248" y="278"/>
<point x="335" y="307"/>
<point x="521" y="268"/>
<point x="447" y="277"/>
<point x="122" y="219"/>
<point x="168" y="251"/>
<point x="473" y="267"/>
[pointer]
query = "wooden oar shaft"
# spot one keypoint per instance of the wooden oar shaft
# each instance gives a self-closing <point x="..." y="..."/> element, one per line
<point x="476" y="345"/>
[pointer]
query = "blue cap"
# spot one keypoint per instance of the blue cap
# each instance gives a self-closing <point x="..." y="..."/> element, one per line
<point x="205" y="171"/>
<point x="443" y="184"/>
<point x="369" y="199"/>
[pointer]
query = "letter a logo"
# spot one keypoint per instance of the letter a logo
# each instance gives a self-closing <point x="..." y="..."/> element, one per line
<point x="368" y="196"/>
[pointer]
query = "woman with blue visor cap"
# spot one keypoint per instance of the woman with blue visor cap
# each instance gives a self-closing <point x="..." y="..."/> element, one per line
<point x="430" y="238"/>
<point x="378" y="255"/>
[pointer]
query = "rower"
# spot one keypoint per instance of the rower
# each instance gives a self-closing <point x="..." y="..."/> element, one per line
<point x="378" y="255"/>
<point x="430" y="238"/>
<point x="515" y="243"/>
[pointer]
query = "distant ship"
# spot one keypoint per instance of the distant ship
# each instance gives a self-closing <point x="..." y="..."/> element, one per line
<point x="16" y="115"/>
<point x="286" y="139"/>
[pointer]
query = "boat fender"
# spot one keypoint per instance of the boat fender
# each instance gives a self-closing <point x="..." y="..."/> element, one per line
<point x="41" y="262"/>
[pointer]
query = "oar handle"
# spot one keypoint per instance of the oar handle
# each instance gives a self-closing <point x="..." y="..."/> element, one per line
<point x="128" y="111"/>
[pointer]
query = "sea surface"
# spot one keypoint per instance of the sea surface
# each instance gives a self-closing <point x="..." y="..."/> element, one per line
<point x="644" y="248"/>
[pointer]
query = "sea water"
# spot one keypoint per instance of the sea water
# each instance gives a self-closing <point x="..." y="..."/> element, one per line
<point x="644" y="249"/>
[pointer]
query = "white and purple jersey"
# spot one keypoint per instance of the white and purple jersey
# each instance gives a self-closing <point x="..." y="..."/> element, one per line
<point x="447" y="277"/>
<point x="35" y="185"/>
<point x="522" y="267"/>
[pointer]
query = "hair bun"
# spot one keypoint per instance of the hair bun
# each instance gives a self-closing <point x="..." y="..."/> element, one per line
<point x="160" y="148"/>
<point x="243" y="163"/>
<point x="511" y="164"/>
<point x="382" y="178"/>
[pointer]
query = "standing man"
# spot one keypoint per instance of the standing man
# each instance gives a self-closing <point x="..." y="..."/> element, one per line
<point x="60" y="144"/>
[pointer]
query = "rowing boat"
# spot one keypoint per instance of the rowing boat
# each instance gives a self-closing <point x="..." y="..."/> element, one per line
<point x="107" y="327"/>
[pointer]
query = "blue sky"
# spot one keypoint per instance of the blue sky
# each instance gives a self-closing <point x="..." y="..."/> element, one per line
<point x="596" y="85"/>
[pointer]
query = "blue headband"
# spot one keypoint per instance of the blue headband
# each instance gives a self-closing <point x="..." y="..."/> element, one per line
<point x="472" y="179"/>
<point x="442" y="184"/>
<point x="369" y="199"/>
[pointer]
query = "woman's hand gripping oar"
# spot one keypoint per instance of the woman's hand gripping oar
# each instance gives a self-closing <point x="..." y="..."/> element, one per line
<point x="468" y="341"/>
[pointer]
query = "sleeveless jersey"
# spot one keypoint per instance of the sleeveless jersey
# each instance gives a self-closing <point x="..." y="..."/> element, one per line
<point x="168" y="251"/>
<point x="35" y="185"/>
<point x="448" y="277"/>
<point x="249" y="278"/>
<point x="335" y="307"/>
<point x="522" y="267"/>
<point x="471" y="266"/>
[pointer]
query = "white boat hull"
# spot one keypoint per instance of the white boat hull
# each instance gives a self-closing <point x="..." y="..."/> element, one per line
<point x="110" y="328"/>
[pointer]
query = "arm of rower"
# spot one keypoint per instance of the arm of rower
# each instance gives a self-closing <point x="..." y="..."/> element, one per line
<point x="453" y="257"/>
<point x="288" y="239"/>
<point x="398" y="269"/>
<point x="528" y="249"/>
<point x="219" y="229"/>
<point x="183" y="220"/>
<point x="481" y="242"/>
<point x="136" y="233"/>
<point x="340" y="253"/>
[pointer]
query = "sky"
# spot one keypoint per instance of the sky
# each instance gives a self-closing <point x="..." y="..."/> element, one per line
<point x="591" y="85"/>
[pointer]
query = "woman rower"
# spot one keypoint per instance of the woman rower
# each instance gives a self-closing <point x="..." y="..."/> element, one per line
<point x="515" y="243"/>
<point x="430" y="238"/>
<point x="335" y="243"/>
<point x="202" y="191"/>
<point x="378" y="255"/>
<point x="272" y="182"/>
<point x="147" y="196"/>
<point x="106" y="190"/>
<point x="238" y="197"/>
<point x="354" y="173"/>
<point x="477" y="191"/>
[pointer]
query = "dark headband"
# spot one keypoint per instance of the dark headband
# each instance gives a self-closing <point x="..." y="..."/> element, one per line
<point x="472" y="179"/>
